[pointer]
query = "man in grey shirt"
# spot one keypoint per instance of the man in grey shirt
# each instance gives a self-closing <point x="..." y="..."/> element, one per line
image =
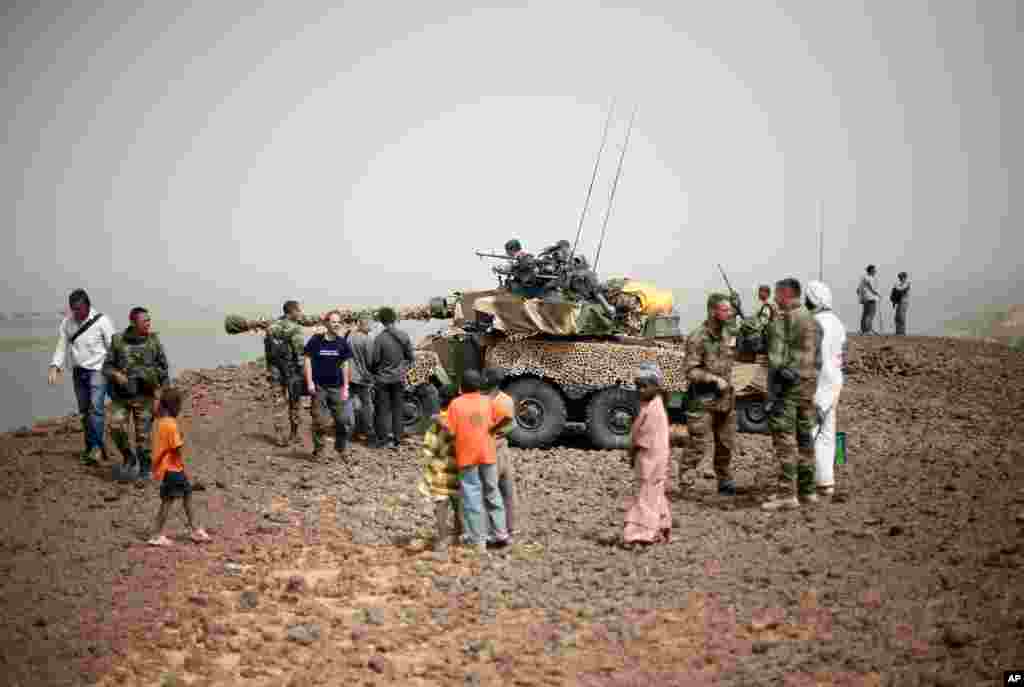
<point x="867" y="291"/>
<point x="392" y="358"/>
<point x="361" y="342"/>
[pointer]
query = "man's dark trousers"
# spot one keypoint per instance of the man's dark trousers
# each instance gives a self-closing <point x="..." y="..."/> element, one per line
<point x="364" y="418"/>
<point x="390" y="410"/>
<point x="867" y="318"/>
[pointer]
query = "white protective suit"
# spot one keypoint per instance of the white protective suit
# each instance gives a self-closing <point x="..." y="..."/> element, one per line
<point x="832" y="360"/>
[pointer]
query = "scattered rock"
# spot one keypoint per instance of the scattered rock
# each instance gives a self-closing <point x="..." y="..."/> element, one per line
<point x="304" y="634"/>
<point x="958" y="636"/>
<point x="296" y="584"/>
<point x="199" y="600"/>
<point x="377" y="663"/>
<point x="359" y="633"/>
<point x="221" y="485"/>
<point x="248" y="600"/>
<point x="895" y="531"/>
<point x="374" y="616"/>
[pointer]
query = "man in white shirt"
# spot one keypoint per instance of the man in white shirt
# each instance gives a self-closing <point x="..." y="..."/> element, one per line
<point x="83" y="340"/>
<point x="830" y="361"/>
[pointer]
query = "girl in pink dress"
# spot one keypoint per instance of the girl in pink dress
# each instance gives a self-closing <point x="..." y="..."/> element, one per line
<point x="648" y="518"/>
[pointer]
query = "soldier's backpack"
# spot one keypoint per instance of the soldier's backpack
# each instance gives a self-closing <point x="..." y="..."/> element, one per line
<point x="280" y="355"/>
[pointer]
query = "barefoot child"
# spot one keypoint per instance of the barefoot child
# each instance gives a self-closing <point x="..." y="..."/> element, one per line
<point x="505" y="459"/>
<point x="649" y="519"/>
<point x="169" y="466"/>
<point x="440" y="482"/>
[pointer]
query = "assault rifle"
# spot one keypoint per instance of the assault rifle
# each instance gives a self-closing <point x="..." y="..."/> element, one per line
<point x="498" y="256"/>
<point x="732" y="292"/>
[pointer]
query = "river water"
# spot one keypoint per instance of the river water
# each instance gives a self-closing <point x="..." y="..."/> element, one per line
<point x="25" y="396"/>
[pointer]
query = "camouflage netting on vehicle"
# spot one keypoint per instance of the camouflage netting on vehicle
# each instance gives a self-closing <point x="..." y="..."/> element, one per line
<point x="587" y="364"/>
<point x="426" y="363"/>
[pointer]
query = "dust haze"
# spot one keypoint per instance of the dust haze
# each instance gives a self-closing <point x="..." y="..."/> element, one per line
<point x="195" y="159"/>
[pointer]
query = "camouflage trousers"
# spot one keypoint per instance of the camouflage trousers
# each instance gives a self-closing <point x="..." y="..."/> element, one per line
<point x="712" y="436"/>
<point x="280" y="400"/>
<point x="139" y="413"/>
<point x="791" y="424"/>
<point x="327" y="408"/>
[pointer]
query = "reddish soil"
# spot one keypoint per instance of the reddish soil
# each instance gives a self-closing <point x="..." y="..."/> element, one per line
<point x="321" y="573"/>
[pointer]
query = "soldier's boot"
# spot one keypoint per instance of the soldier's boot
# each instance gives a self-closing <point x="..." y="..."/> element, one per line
<point x="145" y="464"/>
<point x="294" y="438"/>
<point x="726" y="487"/>
<point x="90" y="457"/>
<point x="121" y="441"/>
<point x="805" y="483"/>
<point x="786" y="498"/>
<point x="441" y="516"/>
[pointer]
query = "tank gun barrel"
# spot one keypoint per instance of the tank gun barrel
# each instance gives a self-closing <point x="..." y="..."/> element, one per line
<point x="497" y="256"/>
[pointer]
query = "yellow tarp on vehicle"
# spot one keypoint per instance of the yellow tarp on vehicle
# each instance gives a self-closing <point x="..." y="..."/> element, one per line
<point x="653" y="301"/>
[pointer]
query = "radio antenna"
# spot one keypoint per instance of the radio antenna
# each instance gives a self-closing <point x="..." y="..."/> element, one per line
<point x="615" y="185"/>
<point x="593" y="177"/>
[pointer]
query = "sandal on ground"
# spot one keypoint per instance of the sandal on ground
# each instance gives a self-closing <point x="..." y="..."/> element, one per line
<point x="162" y="540"/>
<point x="200" y="535"/>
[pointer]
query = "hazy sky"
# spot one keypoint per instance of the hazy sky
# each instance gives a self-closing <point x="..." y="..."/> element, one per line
<point x="223" y="154"/>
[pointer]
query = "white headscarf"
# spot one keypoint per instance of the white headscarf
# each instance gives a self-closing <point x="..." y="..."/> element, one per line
<point x="819" y="295"/>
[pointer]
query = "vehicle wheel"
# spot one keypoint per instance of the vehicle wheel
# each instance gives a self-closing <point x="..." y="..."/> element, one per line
<point x="610" y="416"/>
<point x="751" y="416"/>
<point x="418" y="406"/>
<point x="540" y="413"/>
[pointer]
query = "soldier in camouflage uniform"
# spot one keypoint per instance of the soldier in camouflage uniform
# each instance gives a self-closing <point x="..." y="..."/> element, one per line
<point x="283" y="346"/>
<point x="766" y="312"/>
<point x="793" y="342"/>
<point x="137" y="367"/>
<point x="711" y="405"/>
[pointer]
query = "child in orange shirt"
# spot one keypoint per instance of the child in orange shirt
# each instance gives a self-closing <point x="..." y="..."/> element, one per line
<point x="169" y="466"/>
<point x="472" y="417"/>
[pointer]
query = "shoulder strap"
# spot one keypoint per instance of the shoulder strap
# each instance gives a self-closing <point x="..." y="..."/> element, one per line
<point x="81" y="330"/>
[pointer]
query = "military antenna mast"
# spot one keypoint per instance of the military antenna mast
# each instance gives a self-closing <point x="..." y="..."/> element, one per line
<point x="593" y="177"/>
<point x="615" y="185"/>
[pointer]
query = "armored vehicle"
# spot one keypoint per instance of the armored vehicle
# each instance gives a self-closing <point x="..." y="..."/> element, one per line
<point x="558" y="380"/>
<point x="567" y="361"/>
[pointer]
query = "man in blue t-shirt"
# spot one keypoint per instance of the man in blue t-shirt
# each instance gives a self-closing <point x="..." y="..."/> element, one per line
<point x="328" y="373"/>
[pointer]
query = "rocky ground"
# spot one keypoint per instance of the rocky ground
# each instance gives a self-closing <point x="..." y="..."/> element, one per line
<point x="322" y="573"/>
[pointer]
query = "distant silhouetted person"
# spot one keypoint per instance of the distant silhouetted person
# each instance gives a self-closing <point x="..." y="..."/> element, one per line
<point x="867" y="293"/>
<point x="900" y="299"/>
